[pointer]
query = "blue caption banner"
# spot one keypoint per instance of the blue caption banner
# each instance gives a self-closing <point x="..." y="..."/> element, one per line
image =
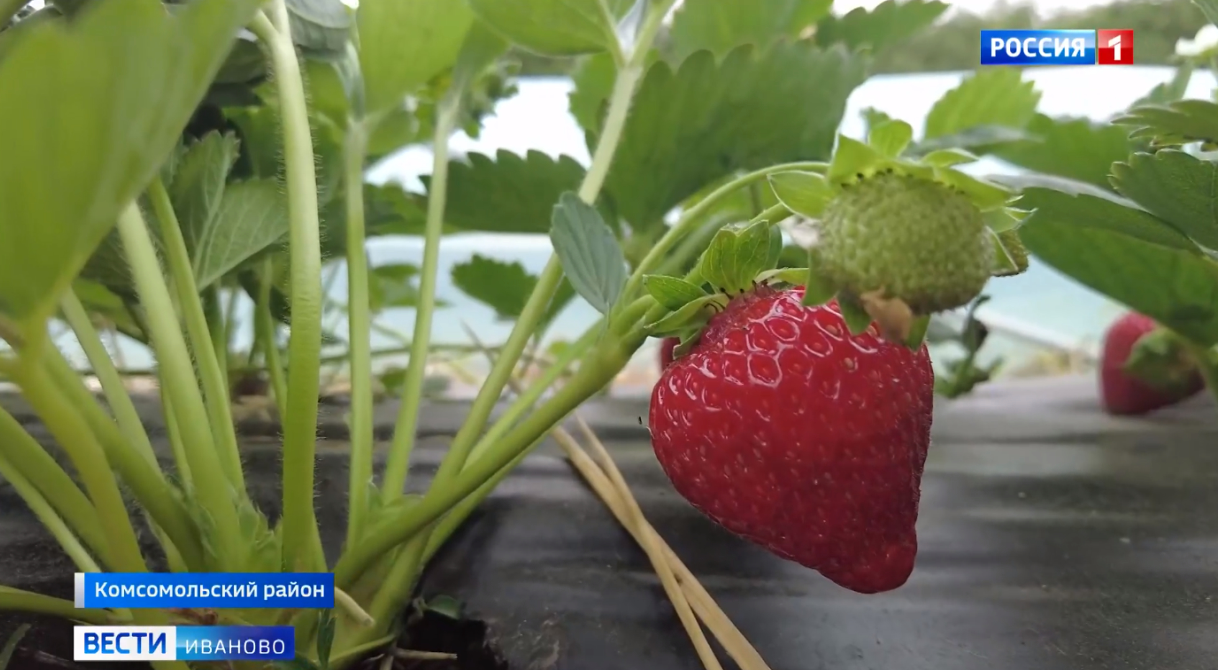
<point x="231" y="590"/>
<point x="1038" y="47"/>
<point x="183" y="643"/>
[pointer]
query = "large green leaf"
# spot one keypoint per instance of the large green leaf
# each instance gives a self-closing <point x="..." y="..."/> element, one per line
<point x="1175" y="123"/>
<point x="1107" y="213"/>
<point x="404" y="43"/>
<point x="885" y="26"/>
<point x="388" y="210"/>
<point x="393" y="286"/>
<point x="503" y="286"/>
<point x="88" y="111"/>
<point x="1176" y="287"/>
<point x="705" y="121"/>
<point x="510" y="193"/>
<point x="723" y="25"/>
<point x="1074" y="148"/>
<point x="593" y="83"/>
<point x="319" y="27"/>
<point x="1171" y="90"/>
<point x="1175" y="186"/>
<point x="552" y="27"/>
<point x="989" y="97"/>
<point x="252" y="217"/>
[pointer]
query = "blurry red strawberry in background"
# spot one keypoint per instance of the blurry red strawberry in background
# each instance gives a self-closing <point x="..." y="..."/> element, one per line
<point x="1143" y="368"/>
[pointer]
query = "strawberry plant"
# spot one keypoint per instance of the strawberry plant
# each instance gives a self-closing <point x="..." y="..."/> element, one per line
<point x="161" y="156"/>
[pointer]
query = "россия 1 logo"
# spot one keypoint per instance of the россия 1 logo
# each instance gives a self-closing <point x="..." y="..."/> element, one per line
<point x="1057" y="47"/>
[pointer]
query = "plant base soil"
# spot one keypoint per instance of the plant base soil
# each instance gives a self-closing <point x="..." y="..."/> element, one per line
<point x="1051" y="537"/>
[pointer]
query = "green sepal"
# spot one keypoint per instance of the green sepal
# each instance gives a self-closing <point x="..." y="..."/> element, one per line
<point x="890" y="137"/>
<point x="1161" y="360"/>
<point x="694" y="314"/>
<point x="804" y="193"/>
<point x="688" y="340"/>
<point x="917" y="332"/>
<point x="735" y="257"/>
<point x="792" y="276"/>
<point x="817" y="289"/>
<point x="1004" y="262"/>
<point x="857" y="319"/>
<point x="775" y="251"/>
<point x="851" y="159"/>
<point x="985" y="196"/>
<point x="671" y="292"/>
<point x="1002" y="220"/>
<point x="948" y="157"/>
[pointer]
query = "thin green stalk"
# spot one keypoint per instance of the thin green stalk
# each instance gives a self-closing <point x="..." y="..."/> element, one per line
<point x="301" y="538"/>
<point x="176" y="446"/>
<point x="215" y="386"/>
<point x="46" y="514"/>
<point x="125" y="414"/>
<point x="406" y="426"/>
<point x="265" y="324"/>
<point x="144" y="479"/>
<point x="213" y="488"/>
<point x="592" y="375"/>
<point x="529" y="398"/>
<point x="23" y="453"/>
<point x="73" y="433"/>
<point x="35" y="603"/>
<point x="691" y="218"/>
<point x="359" y="336"/>
<point x="217" y="325"/>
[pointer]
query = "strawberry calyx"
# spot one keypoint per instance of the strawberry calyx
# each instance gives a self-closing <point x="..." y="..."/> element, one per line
<point x="1161" y="360"/>
<point x="930" y="235"/>
<point x="739" y="262"/>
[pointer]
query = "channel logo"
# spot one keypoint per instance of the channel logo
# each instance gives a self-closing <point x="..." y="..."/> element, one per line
<point x="1056" y="47"/>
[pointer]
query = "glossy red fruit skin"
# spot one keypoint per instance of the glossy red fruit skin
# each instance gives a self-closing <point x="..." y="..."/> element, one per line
<point x="788" y="431"/>
<point x="667" y="345"/>
<point x="1124" y="395"/>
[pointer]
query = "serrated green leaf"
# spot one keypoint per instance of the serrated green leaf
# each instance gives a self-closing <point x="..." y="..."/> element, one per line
<point x="589" y="251"/>
<point x="995" y="96"/>
<point x="319" y="27"/>
<point x="890" y="138"/>
<point x="671" y="292"/>
<point x="723" y="25"/>
<point x="445" y="606"/>
<point x="851" y="158"/>
<point x="1177" y="187"/>
<point x="691" y="315"/>
<point x="552" y="27"/>
<point x="404" y="43"/>
<point x="510" y="193"/>
<point x="1074" y="148"/>
<point x="804" y="193"/>
<point x="1112" y="214"/>
<point x="887" y="25"/>
<point x="1175" y="287"/>
<point x="948" y="157"/>
<point x="503" y="286"/>
<point x="66" y="176"/>
<point x="1176" y="123"/>
<point x="817" y="289"/>
<point x="857" y="319"/>
<point x="718" y="119"/>
<point x="252" y="217"/>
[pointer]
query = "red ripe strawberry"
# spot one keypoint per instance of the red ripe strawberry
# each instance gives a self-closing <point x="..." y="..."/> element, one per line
<point x="1125" y="394"/>
<point x="790" y="432"/>
<point x="667" y="345"/>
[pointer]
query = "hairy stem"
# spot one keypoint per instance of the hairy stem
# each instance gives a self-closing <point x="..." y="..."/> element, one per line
<point x="359" y="338"/>
<point x="214" y="489"/>
<point x="46" y="514"/>
<point x="23" y="453"/>
<point x="265" y="323"/>
<point x="301" y="538"/>
<point x="73" y="433"/>
<point x="35" y="603"/>
<point x="199" y="338"/>
<point x="412" y="392"/>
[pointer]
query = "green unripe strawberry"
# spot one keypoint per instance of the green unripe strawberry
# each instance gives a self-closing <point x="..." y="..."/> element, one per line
<point x="917" y="240"/>
<point x="1015" y="250"/>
